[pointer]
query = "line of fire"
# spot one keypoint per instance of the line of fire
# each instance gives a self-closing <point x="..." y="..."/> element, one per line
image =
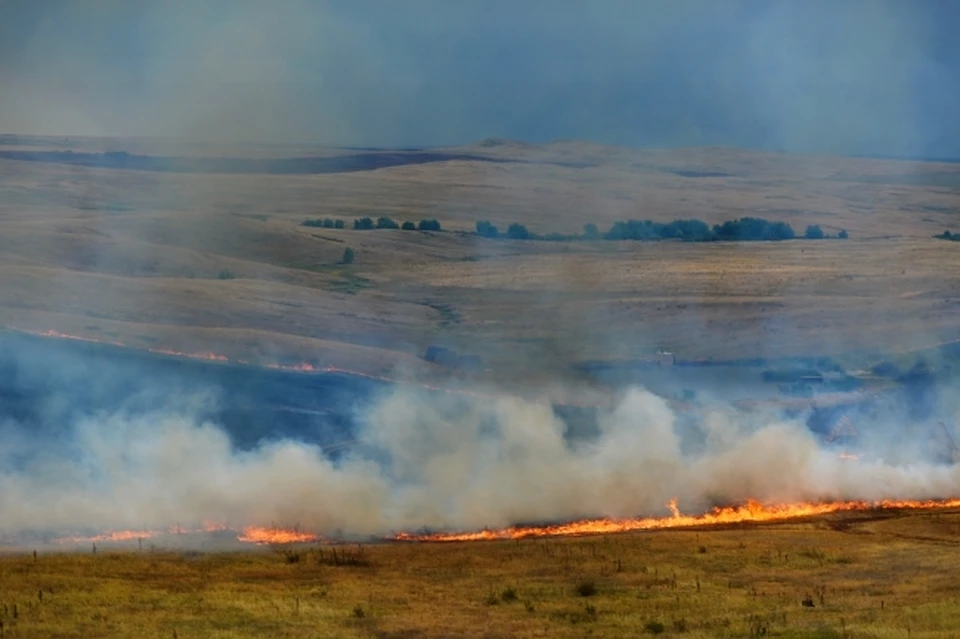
<point x="837" y="406"/>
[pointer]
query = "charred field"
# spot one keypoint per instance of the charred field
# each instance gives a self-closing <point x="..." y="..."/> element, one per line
<point x="182" y="353"/>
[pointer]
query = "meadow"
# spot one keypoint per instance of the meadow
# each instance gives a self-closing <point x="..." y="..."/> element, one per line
<point x="221" y="262"/>
<point x="878" y="574"/>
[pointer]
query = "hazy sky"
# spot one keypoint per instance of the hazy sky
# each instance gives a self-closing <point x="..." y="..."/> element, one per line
<point x="848" y="76"/>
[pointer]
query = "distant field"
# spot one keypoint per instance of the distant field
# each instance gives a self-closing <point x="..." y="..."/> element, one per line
<point x="866" y="575"/>
<point x="201" y="261"/>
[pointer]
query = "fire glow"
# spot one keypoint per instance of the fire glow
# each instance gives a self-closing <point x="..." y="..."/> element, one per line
<point x="751" y="512"/>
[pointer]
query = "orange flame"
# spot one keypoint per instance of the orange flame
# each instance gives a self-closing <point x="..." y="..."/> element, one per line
<point x="751" y="512"/>
<point x="113" y="535"/>
<point x="258" y="535"/>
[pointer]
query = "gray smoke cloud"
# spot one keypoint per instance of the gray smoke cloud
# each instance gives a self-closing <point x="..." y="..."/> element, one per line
<point x="438" y="462"/>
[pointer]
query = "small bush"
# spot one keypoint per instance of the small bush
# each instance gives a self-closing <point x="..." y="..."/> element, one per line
<point x="429" y="225"/>
<point x="358" y="612"/>
<point x="843" y="234"/>
<point x="654" y="627"/>
<point x="348" y="256"/>
<point x="292" y="556"/>
<point x="508" y="595"/>
<point x="586" y="588"/>
<point x="339" y="224"/>
<point x="343" y="557"/>
<point x="486" y="229"/>
<point x="408" y="226"/>
<point x="225" y="274"/>
<point x="528" y="606"/>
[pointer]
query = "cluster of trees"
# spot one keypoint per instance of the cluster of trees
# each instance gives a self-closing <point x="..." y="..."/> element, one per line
<point x="743" y="230"/>
<point x="326" y="223"/>
<point x="382" y="222"/>
<point x="947" y="235"/>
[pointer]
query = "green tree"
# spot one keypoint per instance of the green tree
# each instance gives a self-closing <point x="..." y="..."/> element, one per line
<point x="843" y="234"/>
<point x="338" y="224"/>
<point x="363" y="224"/>
<point x="429" y="225"/>
<point x="347" y="256"/>
<point x="814" y="232"/>
<point x="409" y="226"/>
<point x="591" y="232"/>
<point x="518" y="232"/>
<point x="384" y="222"/>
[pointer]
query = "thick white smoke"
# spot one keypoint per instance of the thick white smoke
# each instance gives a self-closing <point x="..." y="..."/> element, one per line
<point x="434" y="462"/>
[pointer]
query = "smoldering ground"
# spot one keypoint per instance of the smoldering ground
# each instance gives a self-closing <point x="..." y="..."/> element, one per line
<point x="160" y="455"/>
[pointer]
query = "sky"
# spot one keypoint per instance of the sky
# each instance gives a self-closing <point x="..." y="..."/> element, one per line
<point x="871" y="77"/>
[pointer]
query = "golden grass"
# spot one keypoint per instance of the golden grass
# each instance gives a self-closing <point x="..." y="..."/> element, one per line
<point x="893" y="576"/>
<point x="138" y="254"/>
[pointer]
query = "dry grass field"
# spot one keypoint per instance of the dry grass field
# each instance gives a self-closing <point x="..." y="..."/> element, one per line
<point x="862" y="575"/>
<point x="134" y="256"/>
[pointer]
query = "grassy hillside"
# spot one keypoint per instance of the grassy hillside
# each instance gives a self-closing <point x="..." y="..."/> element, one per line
<point x="866" y="576"/>
<point x="190" y="261"/>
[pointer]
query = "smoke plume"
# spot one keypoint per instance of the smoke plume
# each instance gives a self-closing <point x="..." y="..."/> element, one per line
<point x="432" y="461"/>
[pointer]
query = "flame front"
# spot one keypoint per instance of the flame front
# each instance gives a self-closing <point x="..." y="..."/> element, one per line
<point x="259" y="535"/>
<point x="751" y="512"/>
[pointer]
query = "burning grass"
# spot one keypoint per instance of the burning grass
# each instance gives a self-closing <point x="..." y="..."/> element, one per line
<point x="855" y="573"/>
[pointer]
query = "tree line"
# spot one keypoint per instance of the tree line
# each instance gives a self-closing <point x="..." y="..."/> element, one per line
<point x="745" y="229"/>
<point x="947" y="235"/>
<point x="367" y="223"/>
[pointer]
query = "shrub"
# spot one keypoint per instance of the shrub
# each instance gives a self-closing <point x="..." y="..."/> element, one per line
<point x="429" y="225"/>
<point x="358" y="612"/>
<point x="843" y="234"/>
<point x="591" y="232"/>
<point x="225" y="274"/>
<point x="509" y="594"/>
<point x="327" y="223"/>
<point x="654" y="627"/>
<point x="343" y="557"/>
<point x="363" y="224"/>
<point x="586" y="588"/>
<point x="314" y="223"/>
<point x="408" y="226"/>
<point x="486" y="229"/>
<point x="348" y="256"/>
<point x="813" y="232"/>
<point x="384" y="222"/>
<point x="338" y="224"/>
<point x="518" y="232"/>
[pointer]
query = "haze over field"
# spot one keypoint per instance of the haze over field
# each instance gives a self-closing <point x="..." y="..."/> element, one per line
<point x="857" y="77"/>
